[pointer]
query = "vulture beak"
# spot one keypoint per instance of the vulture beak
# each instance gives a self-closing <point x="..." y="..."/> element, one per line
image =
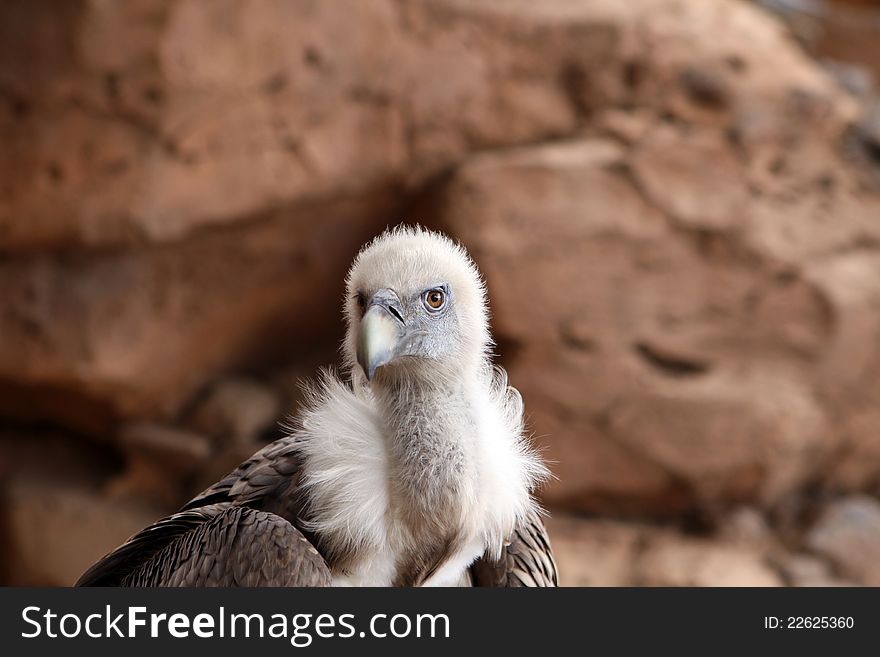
<point x="381" y="334"/>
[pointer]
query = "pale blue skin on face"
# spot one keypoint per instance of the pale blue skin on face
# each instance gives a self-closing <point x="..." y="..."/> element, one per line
<point x="394" y="327"/>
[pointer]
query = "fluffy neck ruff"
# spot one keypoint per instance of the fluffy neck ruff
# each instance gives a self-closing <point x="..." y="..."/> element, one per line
<point x="456" y="485"/>
<point x="460" y="475"/>
<point x="412" y="478"/>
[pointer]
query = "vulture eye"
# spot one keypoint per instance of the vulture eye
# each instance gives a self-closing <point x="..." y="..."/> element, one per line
<point x="434" y="299"/>
<point x="361" y="300"/>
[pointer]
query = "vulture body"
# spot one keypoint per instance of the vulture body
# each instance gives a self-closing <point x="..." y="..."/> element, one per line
<point x="412" y="471"/>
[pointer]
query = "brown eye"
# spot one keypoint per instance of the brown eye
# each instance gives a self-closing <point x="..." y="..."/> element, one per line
<point x="435" y="299"/>
<point x="361" y="301"/>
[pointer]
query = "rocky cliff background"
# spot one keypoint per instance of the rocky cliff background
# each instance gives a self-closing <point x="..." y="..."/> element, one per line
<point x="676" y="204"/>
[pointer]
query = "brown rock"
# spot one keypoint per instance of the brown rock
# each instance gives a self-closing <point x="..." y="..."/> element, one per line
<point x="55" y="530"/>
<point x="218" y="170"/>
<point x="740" y="438"/>
<point x="627" y="126"/>
<point x="675" y="561"/>
<point x="746" y="526"/>
<point x="184" y="184"/>
<point x="857" y="465"/>
<point x="844" y="30"/>
<point x="54" y="455"/>
<point x="848" y="373"/>
<point x="159" y="459"/>
<point x="807" y="570"/>
<point x="173" y="449"/>
<point x="594" y="552"/>
<point x="236" y="410"/>
<point x="134" y="333"/>
<point x="674" y="172"/>
<point x="848" y="534"/>
<point x="691" y="316"/>
<point x="601" y="552"/>
<point x="661" y="371"/>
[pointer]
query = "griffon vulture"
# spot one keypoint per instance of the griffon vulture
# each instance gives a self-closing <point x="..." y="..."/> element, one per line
<point x="413" y="470"/>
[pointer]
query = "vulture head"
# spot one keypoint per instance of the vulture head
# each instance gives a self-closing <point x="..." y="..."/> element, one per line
<point x="415" y="303"/>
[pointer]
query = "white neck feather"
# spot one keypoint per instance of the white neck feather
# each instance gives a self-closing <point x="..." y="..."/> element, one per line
<point x="445" y="451"/>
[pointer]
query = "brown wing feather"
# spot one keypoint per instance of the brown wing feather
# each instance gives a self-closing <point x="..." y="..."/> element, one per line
<point x="218" y="545"/>
<point x="526" y="561"/>
<point x="258" y="481"/>
<point x="245" y="530"/>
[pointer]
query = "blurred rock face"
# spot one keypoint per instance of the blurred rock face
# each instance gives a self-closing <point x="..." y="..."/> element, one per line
<point x="687" y="292"/>
<point x="667" y="364"/>
<point x="844" y="30"/>
<point x="679" y="227"/>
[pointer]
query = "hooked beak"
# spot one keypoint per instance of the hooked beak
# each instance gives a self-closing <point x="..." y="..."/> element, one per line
<point x="381" y="333"/>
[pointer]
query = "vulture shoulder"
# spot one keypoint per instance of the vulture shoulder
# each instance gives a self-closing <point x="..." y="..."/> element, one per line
<point x="268" y="480"/>
<point x="526" y="560"/>
<point x="239" y="532"/>
<point x="217" y="545"/>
